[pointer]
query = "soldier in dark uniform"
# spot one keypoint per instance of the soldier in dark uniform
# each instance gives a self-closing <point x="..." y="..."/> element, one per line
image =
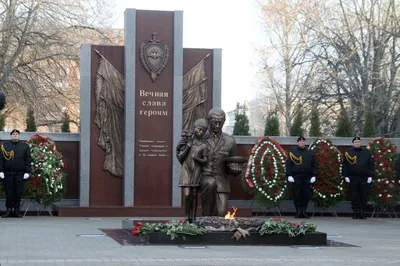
<point x="357" y="169"/>
<point x="397" y="165"/>
<point x="15" y="166"/>
<point x="301" y="169"/>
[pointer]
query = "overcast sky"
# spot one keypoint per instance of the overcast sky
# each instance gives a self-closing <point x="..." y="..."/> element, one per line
<point x="233" y="26"/>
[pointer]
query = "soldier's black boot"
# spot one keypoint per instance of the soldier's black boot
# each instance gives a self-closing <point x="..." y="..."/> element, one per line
<point x="355" y="214"/>
<point x="7" y="214"/>
<point x="361" y="214"/>
<point x="17" y="213"/>
<point x="304" y="212"/>
<point x="298" y="212"/>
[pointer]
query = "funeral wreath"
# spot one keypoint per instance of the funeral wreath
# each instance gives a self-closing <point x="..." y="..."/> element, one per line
<point x="265" y="173"/>
<point x="329" y="188"/>
<point x="47" y="183"/>
<point x="383" y="188"/>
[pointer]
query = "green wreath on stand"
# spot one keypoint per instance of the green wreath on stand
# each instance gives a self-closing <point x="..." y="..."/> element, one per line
<point x="47" y="182"/>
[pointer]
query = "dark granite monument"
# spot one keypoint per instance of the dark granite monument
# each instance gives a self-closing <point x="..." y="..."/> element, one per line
<point x="136" y="100"/>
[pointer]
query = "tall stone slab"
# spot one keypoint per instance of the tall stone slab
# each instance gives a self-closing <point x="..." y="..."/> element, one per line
<point x="156" y="76"/>
<point x="130" y="104"/>
<point x="153" y="64"/>
<point x="105" y="188"/>
<point x="94" y="181"/>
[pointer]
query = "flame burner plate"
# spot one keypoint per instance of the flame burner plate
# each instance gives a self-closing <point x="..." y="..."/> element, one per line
<point x="216" y="223"/>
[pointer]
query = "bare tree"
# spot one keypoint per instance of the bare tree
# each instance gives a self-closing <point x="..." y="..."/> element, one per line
<point x="289" y="74"/>
<point x="356" y="44"/>
<point x="39" y="50"/>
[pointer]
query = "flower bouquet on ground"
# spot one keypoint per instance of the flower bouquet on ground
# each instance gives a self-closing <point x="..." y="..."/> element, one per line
<point x="280" y="225"/>
<point x="47" y="182"/>
<point x="384" y="190"/>
<point x="182" y="229"/>
<point x="172" y="228"/>
<point x="266" y="173"/>
<point x="329" y="187"/>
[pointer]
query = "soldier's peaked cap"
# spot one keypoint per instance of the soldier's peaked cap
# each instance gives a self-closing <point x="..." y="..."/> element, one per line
<point x="15" y="131"/>
<point x="300" y="138"/>
<point x="356" y="138"/>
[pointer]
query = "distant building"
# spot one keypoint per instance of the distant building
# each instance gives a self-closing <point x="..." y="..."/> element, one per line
<point x="256" y="111"/>
<point x="230" y="122"/>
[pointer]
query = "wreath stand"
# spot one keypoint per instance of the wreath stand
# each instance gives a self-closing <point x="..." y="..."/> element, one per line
<point x="327" y="210"/>
<point x="389" y="210"/>
<point x="273" y="209"/>
<point x="49" y="209"/>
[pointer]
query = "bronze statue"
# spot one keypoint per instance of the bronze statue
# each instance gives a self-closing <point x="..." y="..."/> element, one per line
<point x="222" y="161"/>
<point x="192" y="154"/>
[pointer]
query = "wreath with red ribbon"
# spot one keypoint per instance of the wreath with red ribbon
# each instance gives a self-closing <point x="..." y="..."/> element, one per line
<point x="329" y="187"/>
<point x="266" y="173"/>
<point x="384" y="190"/>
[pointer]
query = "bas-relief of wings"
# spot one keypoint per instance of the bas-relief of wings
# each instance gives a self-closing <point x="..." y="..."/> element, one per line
<point x="194" y="95"/>
<point x="109" y="94"/>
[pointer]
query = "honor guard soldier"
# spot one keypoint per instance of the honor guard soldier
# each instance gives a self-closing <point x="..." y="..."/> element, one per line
<point x="301" y="169"/>
<point x="15" y="166"/>
<point x="397" y="165"/>
<point x="357" y="169"/>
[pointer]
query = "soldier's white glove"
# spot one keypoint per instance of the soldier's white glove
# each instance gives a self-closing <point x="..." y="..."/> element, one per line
<point x="347" y="179"/>
<point x="399" y="181"/>
<point x="369" y="180"/>
<point x="291" y="179"/>
<point x="26" y="176"/>
<point x="312" y="179"/>
<point x="1" y="175"/>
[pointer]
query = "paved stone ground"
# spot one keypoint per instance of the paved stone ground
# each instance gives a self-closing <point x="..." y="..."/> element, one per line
<point x="53" y="241"/>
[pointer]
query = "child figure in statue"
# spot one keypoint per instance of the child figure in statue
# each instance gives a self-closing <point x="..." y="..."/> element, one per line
<point x="192" y="154"/>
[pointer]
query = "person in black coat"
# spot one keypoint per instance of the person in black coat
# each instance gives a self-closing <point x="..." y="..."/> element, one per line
<point x="301" y="169"/>
<point x="397" y="165"/>
<point x="358" y="168"/>
<point x="15" y="166"/>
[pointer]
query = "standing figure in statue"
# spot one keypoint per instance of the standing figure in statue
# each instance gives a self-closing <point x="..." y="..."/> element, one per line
<point x="357" y="169"/>
<point x="192" y="154"/>
<point x="215" y="185"/>
<point x="301" y="169"/>
<point x="15" y="166"/>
